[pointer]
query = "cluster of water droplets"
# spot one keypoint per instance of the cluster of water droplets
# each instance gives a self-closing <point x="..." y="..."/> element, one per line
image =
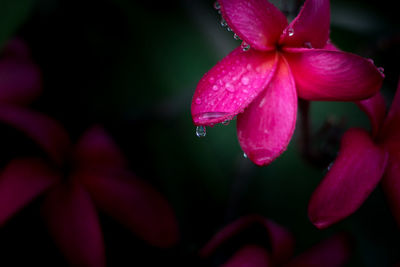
<point x="245" y="47"/>
<point x="380" y="69"/>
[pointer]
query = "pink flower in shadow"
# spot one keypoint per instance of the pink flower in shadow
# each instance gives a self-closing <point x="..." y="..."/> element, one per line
<point x="332" y="252"/>
<point x="261" y="85"/>
<point x="20" y="78"/>
<point x="363" y="160"/>
<point x="76" y="180"/>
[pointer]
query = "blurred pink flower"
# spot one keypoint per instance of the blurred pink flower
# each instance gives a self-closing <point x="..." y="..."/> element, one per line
<point x="20" y="78"/>
<point x="364" y="158"/>
<point x="284" y="62"/>
<point x="332" y="252"/>
<point x="77" y="179"/>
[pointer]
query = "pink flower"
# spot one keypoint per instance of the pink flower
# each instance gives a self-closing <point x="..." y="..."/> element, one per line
<point x="364" y="159"/>
<point x="261" y="85"/>
<point x="20" y="78"/>
<point x="332" y="252"/>
<point x="75" y="181"/>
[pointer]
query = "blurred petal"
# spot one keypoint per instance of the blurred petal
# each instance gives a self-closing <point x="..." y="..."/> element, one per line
<point x="333" y="252"/>
<point x="375" y="108"/>
<point x="357" y="170"/>
<point x="257" y="22"/>
<point x="249" y="256"/>
<point x="50" y="135"/>
<point x="332" y="75"/>
<point x="266" y="126"/>
<point x="74" y="225"/>
<point x="20" y="182"/>
<point x="16" y="48"/>
<point x="390" y="133"/>
<point x="310" y="27"/>
<point x="20" y="81"/>
<point x="231" y="85"/>
<point x="135" y="204"/>
<point x="280" y="239"/>
<point x="97" y="148"/>
<point x="391" y="182"/>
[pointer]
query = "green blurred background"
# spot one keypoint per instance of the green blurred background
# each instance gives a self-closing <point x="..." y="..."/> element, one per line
<point x="133" y="66"/>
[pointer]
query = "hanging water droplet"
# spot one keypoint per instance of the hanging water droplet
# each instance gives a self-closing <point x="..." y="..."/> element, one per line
<point x="245" y="155"/>
<point x="198" y="101"/>
<point x="290" y="32"/>
<point x="223" y="22"/>
<point x="228" y="29"/>
<point x="201" y="131"/>
<point x="245" y="46"/>
<point x="330" y="166"/>
<point x="226" y="122"/>
<point x="381" y="69"/>
<point x="217" y="6"/>
<point x="236" y="37"/>
<point x="308" y="44"/>
<point x="370" y="60"/>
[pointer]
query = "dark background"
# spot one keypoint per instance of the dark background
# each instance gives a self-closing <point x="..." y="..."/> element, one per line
<point x="132" y="66"/>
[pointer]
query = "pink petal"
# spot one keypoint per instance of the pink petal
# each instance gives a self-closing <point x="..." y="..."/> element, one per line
<point x="249" y="256"/>
<point x="21" y="181"/>
<point x="135" y="204"/>
<point x="311" y="27"/>
<point x="354" y="175"/>
<point x="74" y="225"/>
<point x="257" y="22"/>
<point x="266" y="126"/>
<point x="231" y="85"/>
<point x="281" y="240"/>
<point x="96" y="148"/>
<point x="332" y="75"/>
<point x="20" y="81"/>
<point x="333" y="252"/>
<point x="375" y="108"/>
<point x="390" y="133"/>
<point x="330" y="46"/>
<point x="50" y="135"/>
<point x="391" y="182"/>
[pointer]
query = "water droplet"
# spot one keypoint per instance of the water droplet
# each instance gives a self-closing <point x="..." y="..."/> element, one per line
<point x="370" y="60"/>
<point x="201" y="131"/>
<point x="236" y="37"/>
<point x="215" y="87"/>
<point x="198" y="101"/>
<point x="308" y="44"/>
<point x="290" y="32"/>
<point x="217" y="6"/>
<point x="245" y="46"/>
<point x="228" y="29"/>
<point x="212" y="115"/>
<point x="330" y="166"/>
<point x="226" y="122"/>
<point x="245" y="155"/>
<point x="245" y="80"/>
<point x="381" y="69"/>
<point x="211" y="79"/>
<point x="229" y="87"/>
<point x="223" y="22"/>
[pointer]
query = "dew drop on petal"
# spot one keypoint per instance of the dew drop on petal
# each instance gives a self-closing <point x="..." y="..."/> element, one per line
<point x="308" y="44"/>
<point x="217" y="6"/>
<point x="381" y="70"/>
<point x="198" y="101"/>
<point x="215" y="87"/>
<point x="236" y="37"/>
<point x="290" y="32"/>
<point x="245" y="46"/>
<point x="201" y="131"/>
<point x="245" y="155"/>
<point x="370" y="60"/>
<point x="223" y="22"/>
<point x="226" y="122"/>
<point x="245" y="80"/>
<point x="229" y="87"/>
<point x="330" y="166"/>
<point x="228" y="29"/>
<point x="211" y="79"/>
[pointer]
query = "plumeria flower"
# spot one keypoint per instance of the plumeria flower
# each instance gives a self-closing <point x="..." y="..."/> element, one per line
<point x="332" y="252"/>
<point x="20" y="78"/>
<point x="76" y="180"/>
<point x="363" y="161"/>
<point x="261" y="84"/>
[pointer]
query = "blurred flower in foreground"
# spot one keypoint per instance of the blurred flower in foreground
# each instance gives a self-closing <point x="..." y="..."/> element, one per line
<point x="20" y="78"/>
<point x="277" y="63"/>
<point x="332" y="252"/>
<point x="364" y="158"/>
<point x="75" y="180"/>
